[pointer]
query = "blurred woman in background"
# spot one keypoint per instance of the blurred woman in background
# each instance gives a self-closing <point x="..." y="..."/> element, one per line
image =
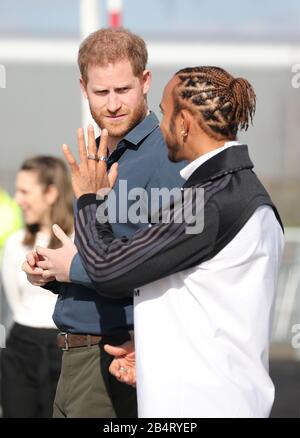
<point x="31" y="361"/>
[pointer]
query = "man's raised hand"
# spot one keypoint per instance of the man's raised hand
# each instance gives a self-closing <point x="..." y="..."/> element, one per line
<point x="90" y="175"/>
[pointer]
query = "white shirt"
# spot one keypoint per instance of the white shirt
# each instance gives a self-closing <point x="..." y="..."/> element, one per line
<point x="202" y="335"/>
<point x="31" y="305"/>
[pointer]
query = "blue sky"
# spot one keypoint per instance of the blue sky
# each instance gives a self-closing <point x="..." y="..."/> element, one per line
<point x="246" y="19"/>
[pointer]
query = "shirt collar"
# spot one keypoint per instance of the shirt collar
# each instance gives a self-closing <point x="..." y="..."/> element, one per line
<point x="137" y="134"/>
<point x="143" y="129"/>
<point x="187" y="171"/>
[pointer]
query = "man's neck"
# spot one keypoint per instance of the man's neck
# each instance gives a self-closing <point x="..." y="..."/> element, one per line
<point x="203" y="145"/>
<point x="114" y="141"/>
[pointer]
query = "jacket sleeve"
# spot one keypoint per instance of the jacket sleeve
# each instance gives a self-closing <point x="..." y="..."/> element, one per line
<point x="117" y="266"/>
<point x="78" y="274"/>
<point x="55" y="287"/>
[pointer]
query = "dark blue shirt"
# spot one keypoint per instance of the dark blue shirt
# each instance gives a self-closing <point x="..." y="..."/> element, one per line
<point x="143" y="162"/>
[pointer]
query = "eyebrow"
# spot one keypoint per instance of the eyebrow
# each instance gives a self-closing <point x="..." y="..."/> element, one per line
<point x="160" y="106"/>
<point x="119" y="87"/>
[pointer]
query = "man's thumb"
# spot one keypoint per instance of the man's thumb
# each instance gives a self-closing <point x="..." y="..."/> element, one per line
<point x="114" y="351"/>
<point x="60" y="234"/>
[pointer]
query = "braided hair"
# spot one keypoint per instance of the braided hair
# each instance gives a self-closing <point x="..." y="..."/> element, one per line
<point x="223" y="104"/>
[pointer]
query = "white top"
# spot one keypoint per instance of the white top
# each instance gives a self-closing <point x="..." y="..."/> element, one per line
<point x="31" y="305"/>
<point x="202" y="335"/>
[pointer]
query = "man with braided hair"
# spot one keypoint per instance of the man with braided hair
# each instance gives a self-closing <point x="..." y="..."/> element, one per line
<point x="204" y="303"/>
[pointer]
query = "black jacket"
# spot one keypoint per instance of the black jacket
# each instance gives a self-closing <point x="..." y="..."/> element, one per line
<point x="232" y="193"/>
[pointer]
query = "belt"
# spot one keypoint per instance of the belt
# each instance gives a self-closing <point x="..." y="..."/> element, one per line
<point x="65" y="341"/>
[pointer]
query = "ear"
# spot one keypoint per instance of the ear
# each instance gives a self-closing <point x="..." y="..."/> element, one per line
<point x="83" y="87"/>
<point x="146" y="81"/>
<point x="51" y="194"/>
<point x="185" y="121"/>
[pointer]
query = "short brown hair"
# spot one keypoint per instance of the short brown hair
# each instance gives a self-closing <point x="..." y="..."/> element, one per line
<point x="109" y="46"/>
<point x="222" y="104"/>
<point x="52" y="171"/>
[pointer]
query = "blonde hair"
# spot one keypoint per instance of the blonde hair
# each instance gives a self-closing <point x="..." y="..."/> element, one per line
<point x="110" y="46"/>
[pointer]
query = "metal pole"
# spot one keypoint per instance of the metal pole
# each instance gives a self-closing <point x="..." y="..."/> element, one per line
<point x="114" y="8"/>
<point x="89" y="22"/>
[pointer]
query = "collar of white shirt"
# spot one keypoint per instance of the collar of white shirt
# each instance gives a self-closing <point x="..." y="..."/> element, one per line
<point x="187" y="171"/>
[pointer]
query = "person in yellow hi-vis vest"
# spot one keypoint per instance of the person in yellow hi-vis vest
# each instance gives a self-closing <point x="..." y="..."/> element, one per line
<point x="10" y="217"/>
<point x="10" y="221"/>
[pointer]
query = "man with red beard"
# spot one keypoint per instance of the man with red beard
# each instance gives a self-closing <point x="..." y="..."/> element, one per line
<point x="115" y="81"/>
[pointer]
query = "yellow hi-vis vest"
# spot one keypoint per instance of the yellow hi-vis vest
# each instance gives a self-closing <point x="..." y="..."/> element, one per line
<point x="10" y="217"/>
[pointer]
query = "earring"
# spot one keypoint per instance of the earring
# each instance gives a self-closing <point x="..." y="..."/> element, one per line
<point x="183" y="133"/>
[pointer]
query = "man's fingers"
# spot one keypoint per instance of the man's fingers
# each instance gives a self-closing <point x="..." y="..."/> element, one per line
<point x="41" y="282"/>
<point x="92" y="150"/>
<point x="126" y="377"/>
<point x="47" y="276"/>
<point x="114" y="367"/>
<point x="31" y="258"/>
<point x="113" y="174"/>
<point x="70" y="158"/>
<point x="81" y="147"/>
<point x="34" y="275"/>
<point x="44" y="252"/>
<point x="122" y="372"/>
<point x="102" y="151"/>
<point x="44" y="265"/>
<point x="31" y="271"/>
<point x="129" y="380"/>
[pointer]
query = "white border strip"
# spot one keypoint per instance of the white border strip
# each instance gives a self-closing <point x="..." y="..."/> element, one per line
<point x="38" y="51"/>
<point x="252" y="56"/>
<point x="160" y="54"/>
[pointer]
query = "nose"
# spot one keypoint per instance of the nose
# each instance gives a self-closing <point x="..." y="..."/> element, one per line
<point x="113" y="102"/>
